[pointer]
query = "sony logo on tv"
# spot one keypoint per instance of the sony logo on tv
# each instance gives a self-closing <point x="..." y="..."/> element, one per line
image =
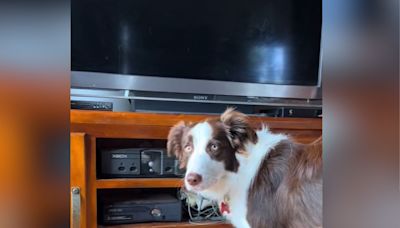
<point x="200" y="97"/>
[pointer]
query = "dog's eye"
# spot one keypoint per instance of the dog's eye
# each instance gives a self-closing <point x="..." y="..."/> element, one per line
<point x="188" y="148"/>
<point x="214" y="147"/>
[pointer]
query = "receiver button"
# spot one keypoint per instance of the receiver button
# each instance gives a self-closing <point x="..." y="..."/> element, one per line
<point x="156" y="212"/>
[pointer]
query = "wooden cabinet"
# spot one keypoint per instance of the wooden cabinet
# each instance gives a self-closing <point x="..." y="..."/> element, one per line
<point x="88" y="126"/>
<point x="78" y="180"/>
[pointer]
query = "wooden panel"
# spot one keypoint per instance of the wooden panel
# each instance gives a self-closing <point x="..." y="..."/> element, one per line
<point x="124" y="131"/>
<point x="140" y="183"/>
<point x="92" y="191"/>
<point x="161" y="132"/>
<point x="130" y="118"/>
<point x="157" y="126"/>
<point x="171" y="225"/>
<point x="301" y="136"/>
<point x="78" y="172"/>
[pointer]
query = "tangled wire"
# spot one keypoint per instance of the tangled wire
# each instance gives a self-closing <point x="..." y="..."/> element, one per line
<point x="201" y="210"/>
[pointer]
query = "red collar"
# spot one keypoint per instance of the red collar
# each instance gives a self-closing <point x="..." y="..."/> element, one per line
<point x="224" y="207"/>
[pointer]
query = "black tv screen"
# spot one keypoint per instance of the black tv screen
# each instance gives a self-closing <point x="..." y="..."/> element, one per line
<point x="256" y="41"/>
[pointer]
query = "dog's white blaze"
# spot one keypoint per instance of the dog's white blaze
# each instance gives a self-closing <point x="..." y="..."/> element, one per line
<point x="249" y="166"/>
<point x="200" y="161"/>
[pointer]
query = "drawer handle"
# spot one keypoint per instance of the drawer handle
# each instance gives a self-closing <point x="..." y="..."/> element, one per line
<point x="76" y="207"/>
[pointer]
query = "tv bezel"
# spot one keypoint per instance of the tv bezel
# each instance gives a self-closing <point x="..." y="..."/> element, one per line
<point x="96" y="80"/>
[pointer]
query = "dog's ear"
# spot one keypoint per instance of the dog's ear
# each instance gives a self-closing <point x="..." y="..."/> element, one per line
<point x="238" y="128"/>
<point x="174" y="144"/>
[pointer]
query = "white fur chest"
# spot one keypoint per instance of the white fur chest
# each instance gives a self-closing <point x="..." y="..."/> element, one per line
<point x="238" y="209"/>
<point x="235" y="185"/>
<point x="240" y="182"/>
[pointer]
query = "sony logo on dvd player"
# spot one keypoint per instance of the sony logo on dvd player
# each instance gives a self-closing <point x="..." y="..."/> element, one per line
<point x="119" y="156"/>
<point x="200" y="97"/>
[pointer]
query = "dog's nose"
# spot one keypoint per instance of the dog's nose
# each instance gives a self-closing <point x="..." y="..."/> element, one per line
<point x="193" y="179"/>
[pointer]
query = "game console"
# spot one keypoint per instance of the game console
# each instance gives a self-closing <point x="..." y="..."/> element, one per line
<point x="139" y="208"/>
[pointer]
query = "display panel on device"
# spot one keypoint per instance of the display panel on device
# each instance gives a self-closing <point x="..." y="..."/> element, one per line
<point x="256" y="42"/>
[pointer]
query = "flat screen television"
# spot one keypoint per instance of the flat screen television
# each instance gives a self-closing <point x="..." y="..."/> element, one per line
<point x="262" y="48"/>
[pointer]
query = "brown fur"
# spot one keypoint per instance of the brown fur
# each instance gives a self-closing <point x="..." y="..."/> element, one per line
<point x="231" y="131"/>
<point x="287" y="191"/>
<point x="225" y="152"/>
<point x="238" y="128"/>
<point x="177" y="140"/>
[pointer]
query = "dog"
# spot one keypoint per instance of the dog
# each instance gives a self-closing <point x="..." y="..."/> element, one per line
<point x="260" y="179"/>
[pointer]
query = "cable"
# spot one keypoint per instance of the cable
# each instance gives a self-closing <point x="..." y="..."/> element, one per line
<point x="208" y="215"/>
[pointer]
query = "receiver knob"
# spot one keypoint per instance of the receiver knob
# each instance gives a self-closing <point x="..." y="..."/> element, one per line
<point x="156" y="212"/>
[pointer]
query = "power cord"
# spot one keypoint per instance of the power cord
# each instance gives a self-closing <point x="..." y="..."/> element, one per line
<point x="202" y="211"/>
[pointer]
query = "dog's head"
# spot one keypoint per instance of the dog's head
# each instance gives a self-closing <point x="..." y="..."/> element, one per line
<point x="208" y="149"/>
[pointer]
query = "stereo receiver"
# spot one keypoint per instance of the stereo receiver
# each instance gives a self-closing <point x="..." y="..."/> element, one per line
<point x="138" y="162"/>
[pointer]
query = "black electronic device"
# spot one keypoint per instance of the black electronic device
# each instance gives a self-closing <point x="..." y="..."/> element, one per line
<point x="302" y="112"/>
<point x="256" y="48"/>
<point x="92" y="105"/>
<point x="139" y="208"/>
<point x="138" y="162"/>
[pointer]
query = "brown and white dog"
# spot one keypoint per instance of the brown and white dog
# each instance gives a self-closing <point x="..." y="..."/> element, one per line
<point x="259" y="178"/>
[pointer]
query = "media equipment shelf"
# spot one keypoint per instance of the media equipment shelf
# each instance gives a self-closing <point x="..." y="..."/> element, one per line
<point x="139" y="183"/>
<point x="88" y="128"/>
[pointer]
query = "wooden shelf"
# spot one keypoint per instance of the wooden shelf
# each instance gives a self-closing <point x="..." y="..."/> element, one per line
<point x="156" y="126"/>
<point x="83" y="117"/>
<point x="139" y="183"/>
<point x="171" y="225"/>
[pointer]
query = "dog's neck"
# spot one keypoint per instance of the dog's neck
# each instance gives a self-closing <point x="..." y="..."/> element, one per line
<point x="236" y="184"/>
<point x="219" y="190"/>
<point x="234" y="187"/>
